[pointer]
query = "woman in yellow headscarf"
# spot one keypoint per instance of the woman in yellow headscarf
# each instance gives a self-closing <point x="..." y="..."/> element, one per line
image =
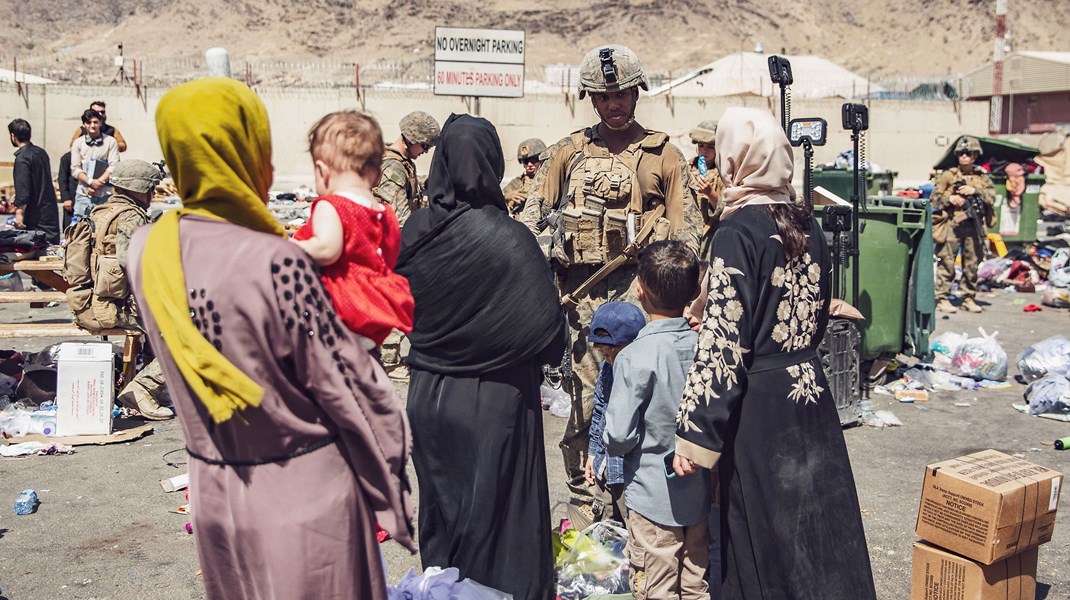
<point x="296" y="437"/>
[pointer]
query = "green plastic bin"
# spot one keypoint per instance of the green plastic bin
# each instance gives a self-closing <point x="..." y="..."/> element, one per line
<point x="1018" y="225"/>
<point x="841" y="182"/>
<point x="895" y="276"/>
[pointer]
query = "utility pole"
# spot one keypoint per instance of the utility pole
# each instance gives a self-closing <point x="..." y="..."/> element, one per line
<point x="995" y="116"/>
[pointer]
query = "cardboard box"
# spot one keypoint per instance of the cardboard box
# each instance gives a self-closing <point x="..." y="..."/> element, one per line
<point x="988" y="506"/>
<point x="85" y="388"/>
<point x="941" y="575"/>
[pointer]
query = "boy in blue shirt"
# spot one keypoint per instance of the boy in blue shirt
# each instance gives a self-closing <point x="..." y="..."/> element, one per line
<point x="667" y="526"/>
<point x="613" y="326"/>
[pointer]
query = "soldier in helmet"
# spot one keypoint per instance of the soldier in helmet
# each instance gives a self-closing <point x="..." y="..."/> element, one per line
<point x="953" y="229"/>
<point x="399" y="186"/>
<point x="602" y="193"/>
<point x="704" y="176"/>
<point x="516" y="193"/>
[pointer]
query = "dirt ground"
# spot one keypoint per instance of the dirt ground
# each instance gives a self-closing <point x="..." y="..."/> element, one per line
<point x="104" y="530"/>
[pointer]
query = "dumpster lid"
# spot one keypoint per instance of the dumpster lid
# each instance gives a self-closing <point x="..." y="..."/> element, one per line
<point x="1004" y="150"/>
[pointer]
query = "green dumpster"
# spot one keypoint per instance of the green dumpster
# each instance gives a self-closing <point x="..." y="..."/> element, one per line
<point x="1018" y="225"/>
<point x="1014" y="225"/>
<point x="895" y="276"/>
<point x="841" y="182"/>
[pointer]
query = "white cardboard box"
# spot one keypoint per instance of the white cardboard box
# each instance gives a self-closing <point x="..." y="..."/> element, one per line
<point x="85" y="388"/>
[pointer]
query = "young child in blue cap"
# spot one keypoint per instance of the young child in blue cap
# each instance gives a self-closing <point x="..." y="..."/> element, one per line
<point x="613" y="326"/>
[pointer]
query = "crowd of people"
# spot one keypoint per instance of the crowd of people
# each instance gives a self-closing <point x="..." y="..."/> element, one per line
<point x="680" y="304"/>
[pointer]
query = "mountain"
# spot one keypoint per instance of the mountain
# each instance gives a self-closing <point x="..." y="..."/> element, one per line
<point x="877" y="38"/>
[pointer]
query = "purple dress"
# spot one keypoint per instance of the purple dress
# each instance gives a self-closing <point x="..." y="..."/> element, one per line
<point x="329" y="440"/>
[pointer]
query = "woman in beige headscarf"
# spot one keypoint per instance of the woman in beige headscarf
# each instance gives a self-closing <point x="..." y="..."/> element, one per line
<point x="296" y="438"/>
<point x="757" y="405"/>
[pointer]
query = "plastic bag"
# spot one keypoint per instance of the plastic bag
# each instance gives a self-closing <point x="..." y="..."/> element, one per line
<point x="991" y="268"/>
<point x="981" y="358"/>
<point x="944" y="347"/>
<point x="437" y="583"/>
<point x="556" y="400"/>
<point x="1049" y="394"/>
<point x="595" y="563"/>
<point x="1059" y="277"/>
<point x="1050" y="356"/>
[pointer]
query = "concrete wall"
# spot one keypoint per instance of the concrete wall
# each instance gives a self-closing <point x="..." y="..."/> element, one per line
<point x="902" y="137"/>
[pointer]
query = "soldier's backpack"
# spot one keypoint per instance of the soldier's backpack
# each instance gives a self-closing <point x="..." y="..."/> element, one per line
<point x="99" y="294"/>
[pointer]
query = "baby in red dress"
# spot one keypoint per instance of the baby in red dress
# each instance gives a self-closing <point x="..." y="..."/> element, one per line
<point x="352" y="237"/>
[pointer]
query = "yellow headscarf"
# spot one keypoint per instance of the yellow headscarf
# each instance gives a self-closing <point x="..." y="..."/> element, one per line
<point x="216" y="140"/>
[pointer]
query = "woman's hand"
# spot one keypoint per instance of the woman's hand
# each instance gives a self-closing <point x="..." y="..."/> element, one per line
<point x="683" y="466"/>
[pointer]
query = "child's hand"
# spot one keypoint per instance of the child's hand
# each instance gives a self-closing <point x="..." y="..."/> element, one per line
<point x="588" y="470"/>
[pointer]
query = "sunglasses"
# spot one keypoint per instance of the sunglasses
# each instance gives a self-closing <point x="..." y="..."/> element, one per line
<point x="964" y="153"/>
<point x="425" y="146"/>
<point x="530" y="160"/>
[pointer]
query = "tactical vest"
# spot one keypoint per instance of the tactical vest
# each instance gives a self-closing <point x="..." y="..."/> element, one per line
<point x="604" y="206"/>
<point x="99" y="294"/>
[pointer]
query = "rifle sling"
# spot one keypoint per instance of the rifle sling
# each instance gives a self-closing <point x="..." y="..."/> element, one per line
<point x="573" y="299"/>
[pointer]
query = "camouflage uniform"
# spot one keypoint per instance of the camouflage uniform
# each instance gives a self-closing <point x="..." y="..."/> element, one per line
<point x="958" y="231"/>
<point x="709" y="208"/>
<point x="516" y="193"/>
<point x="660" y="177"/>
<point x="399" y="186"/>
<point x="146" y="391"/>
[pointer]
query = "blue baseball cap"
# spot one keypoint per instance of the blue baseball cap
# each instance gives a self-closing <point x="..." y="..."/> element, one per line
<point x="616" y="324"/>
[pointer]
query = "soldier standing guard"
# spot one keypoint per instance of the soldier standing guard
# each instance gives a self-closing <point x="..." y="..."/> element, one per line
<point x="528" y="155"/>
<point x="401" y="189"/>
<point x="953" y="228"/>
<point x="604" y="192"/>
<point x="708" y="184"/>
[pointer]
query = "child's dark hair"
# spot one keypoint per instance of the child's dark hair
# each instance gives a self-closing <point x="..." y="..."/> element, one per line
<point x="668" y="271"/>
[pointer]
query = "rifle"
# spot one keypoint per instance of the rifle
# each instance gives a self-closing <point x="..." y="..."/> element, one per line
<point x="975" y="210"/>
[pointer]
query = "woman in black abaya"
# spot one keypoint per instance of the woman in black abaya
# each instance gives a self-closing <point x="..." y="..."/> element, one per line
<point x="487" y="316"/>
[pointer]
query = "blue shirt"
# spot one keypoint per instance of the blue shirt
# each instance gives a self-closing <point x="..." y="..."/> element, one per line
<point x="596" y="448"/>
<point x="648" y="382"/>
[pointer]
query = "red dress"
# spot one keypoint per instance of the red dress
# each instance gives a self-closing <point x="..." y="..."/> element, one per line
<point x="368" y="295"/>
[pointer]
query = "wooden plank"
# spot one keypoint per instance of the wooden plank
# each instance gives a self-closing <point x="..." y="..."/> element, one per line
<point x="32" y="330"/>
<point x="34" y="296"/>
<point x="33" y="265"/>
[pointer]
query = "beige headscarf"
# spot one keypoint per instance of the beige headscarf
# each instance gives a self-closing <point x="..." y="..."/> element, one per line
<point x="754" y="158"/>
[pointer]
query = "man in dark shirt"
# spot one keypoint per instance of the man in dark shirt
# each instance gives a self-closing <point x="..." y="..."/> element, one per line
<point x="35" y="198"/>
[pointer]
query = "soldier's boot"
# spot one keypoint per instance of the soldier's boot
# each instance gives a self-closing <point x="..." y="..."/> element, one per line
<point x="945" y="305"/>
<point x="969" y="305"/>
<point x="139" y="399"/>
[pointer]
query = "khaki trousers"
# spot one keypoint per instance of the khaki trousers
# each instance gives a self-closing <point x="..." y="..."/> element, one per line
<point x="667" y="562"/>
<point x="961" y="237"/>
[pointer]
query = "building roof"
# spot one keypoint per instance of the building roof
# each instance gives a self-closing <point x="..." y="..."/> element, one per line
<point x="747" y="74"/>
<point x="1024" y="72"/>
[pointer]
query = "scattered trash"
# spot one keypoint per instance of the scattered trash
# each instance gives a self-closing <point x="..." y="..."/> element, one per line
<point x="556" y="400"/>
<point x="1062" y="443"/>
<point x="963" y="404"/>
<point x="1032" y="308"/>
<point x="1035" y="450"/>
<point x="436" y="583"/>
<point x="1051" y="355"/>
<point x="27" y="502"/>
<point x="981" y="358"/>
<point x="592" y="562"/>
<point x="881" y="419"/>
<point x="880" y="389"/>
<point x="907" y="396"/>
<point x="1049" y="394"/>
<point x="32" y="448"/>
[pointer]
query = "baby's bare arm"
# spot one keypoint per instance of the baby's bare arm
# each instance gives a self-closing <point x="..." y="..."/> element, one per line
<point x="325" y="247"/>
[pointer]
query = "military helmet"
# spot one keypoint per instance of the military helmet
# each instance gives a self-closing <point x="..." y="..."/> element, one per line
<point x="705" y="133"/>
<point x="135" y="175"/>
<point x="968" y="144"/>
<point x="530" y="148"/>
<point x="420" y="128"/>
<point x="609" y="69"/>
